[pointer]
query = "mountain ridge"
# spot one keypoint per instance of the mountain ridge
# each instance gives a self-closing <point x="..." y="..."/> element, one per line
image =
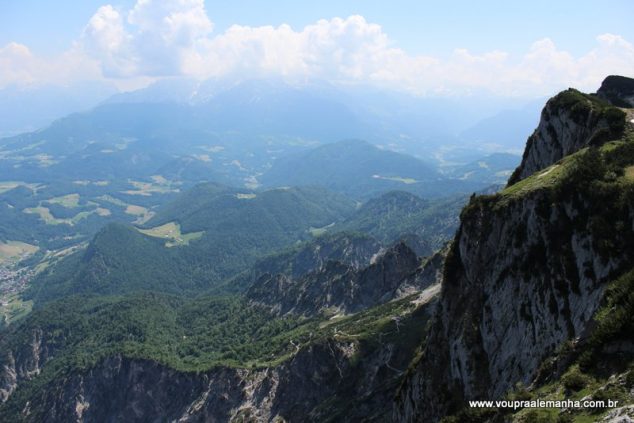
<point x="528" y="269"/>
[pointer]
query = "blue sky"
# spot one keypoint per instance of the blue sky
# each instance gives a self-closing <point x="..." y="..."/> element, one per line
<point x="419" y="29"/>
<point x="417" y="26"/>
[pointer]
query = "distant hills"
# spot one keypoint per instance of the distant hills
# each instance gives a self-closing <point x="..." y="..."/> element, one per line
<point x="362" y="170"/>
<point x="204" y="236"/>
<point x="506" y="129"/>
<point x="211" y="233"/>
<point x="29" y="108"/>
<point x="353" y="167"/>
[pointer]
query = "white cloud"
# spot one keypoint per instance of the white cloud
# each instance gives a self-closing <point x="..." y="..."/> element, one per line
<point x="341" y="50"/>
<point x="16" y="63"/>
<point x="177" y="23"/>
<point x="153" y="39"/>
<point x="19" y="66"/>
<point x="106" y="39"/>
<point x="172" y="38"/>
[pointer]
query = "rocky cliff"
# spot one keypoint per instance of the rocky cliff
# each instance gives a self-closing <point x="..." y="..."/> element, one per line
<point x="23" y="364"/>
<point x="528" y="267"/>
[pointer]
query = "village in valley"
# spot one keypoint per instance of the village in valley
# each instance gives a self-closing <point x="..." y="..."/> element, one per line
<point x="14" y="279"/>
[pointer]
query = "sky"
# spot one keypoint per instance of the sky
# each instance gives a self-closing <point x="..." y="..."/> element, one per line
<point x="525" y="49"/>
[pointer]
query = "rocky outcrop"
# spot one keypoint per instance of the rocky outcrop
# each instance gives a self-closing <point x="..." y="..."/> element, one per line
<point x="569" y="122"/>
<point x="396" y="216"/>
<point x="618" y="91"/>
<point x="341" y="288"/>
<point x="23" y="364"/>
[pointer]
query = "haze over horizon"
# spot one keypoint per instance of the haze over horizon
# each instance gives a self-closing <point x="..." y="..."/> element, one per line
<point x="522" y="51"/>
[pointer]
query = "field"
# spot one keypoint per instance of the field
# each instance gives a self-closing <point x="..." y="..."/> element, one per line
<point x="49" y="219"/>
<point x="13" y="250"/>
<point x="171" y="232"/>
<point x="406" y="181"/>
<point x="160" y="185"/>
<point x="101" y="212"/>
<point x="320" y="231"/>
<point x="142" y="213"/>
<point x="69" y="201"/>
<point x="9" y="185"/>
<point x="112" y="200"/>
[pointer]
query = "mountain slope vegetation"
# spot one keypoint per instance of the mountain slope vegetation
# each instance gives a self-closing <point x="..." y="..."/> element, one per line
<point x="353" y="167"/>
<point x="232" y="230"/>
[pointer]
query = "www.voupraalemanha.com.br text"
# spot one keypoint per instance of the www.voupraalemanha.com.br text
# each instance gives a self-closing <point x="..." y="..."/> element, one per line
<point x="517" y="404"/>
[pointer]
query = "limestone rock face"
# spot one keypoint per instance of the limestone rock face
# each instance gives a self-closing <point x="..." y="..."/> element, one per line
<point x="518" y="282"/>
<point x="23" y="364"/>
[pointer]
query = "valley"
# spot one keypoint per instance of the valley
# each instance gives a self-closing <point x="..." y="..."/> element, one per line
<point x="154" y="269"/>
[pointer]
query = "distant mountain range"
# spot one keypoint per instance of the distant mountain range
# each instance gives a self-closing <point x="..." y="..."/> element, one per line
<point x="314" y="112"/>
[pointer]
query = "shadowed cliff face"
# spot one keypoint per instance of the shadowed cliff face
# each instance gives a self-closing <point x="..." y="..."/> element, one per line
<point x="528" y="267"/>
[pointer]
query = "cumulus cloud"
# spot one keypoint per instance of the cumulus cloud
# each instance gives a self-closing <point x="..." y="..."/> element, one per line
<point x="106" y="39"/>
<point x="337" y="49"/>
<point x="16" y="62"/>
<point x="174" y="38"/>
<point x="153" y="39"/>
